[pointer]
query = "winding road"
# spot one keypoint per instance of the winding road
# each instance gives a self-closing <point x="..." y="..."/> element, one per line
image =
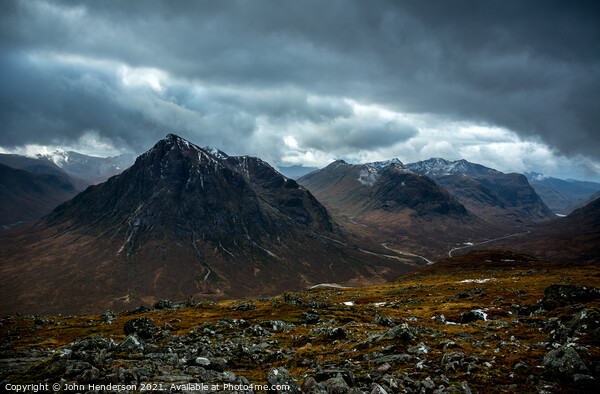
<point x="406" y="253"/>
<point x="485" y="242"/>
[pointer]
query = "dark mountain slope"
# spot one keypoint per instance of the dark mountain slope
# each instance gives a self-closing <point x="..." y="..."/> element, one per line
<point x="27" y="196"/>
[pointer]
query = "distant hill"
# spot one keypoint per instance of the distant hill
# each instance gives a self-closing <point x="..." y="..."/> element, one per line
<point x="574" y="238"/>
<point x="562" y="196"/>
<point x="27" y="196"/>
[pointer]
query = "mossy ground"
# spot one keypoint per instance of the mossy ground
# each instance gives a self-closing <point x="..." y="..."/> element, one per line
<point x="414" y="300"/>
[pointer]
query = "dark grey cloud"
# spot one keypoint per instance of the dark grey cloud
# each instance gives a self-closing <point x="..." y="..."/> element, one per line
<point x="232" y="67"/>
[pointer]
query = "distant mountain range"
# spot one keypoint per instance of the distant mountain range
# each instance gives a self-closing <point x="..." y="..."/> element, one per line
<point x="406" y="210"/>
<point x="88" y="167"/>
<point x="183" y="221"/>
<point x="562" y="196"/>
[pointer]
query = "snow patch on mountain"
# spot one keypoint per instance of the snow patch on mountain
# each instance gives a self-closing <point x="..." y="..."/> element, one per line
<point x="438" y="166"/>
<point x="368" y="176"/>
<point x="382" y="164"/>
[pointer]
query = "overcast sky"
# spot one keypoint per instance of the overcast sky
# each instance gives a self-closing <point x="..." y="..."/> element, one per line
<point x="513" y="85"/>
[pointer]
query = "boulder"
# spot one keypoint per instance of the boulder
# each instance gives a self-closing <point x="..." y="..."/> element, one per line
<point x="163" y="304"/>
<point x="131" y="344"/>
<point x="401" y="332"/>
<point x="337" y="385"/>
<point x="472" y="316"/>
<point x="142" y="326"/>
<point x="559" y="295"/>
<point x="384" y="321"/>
<point x="564" y="361"/>
<point x="280" y="377"/>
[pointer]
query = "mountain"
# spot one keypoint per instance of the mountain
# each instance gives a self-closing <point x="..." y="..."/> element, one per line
<point x="33" y="187"/>
<point x="402" y="207"/>
<point x="35" y="165"/>
<point x="562" y="196"/>
<point x="585" y="202"/>
<point x="360" y="190"/>
<point x="382" y="164"/>
<point x="88" y="167"/>
<point x="27" y="196"/>
<point x="503" y="199"/>
<point x="436" y="167"/>
<point x="40" y="165"/>
<point x="556" y="201"/>
<point x="182" y="222"/>
<point x="295" y="171"/>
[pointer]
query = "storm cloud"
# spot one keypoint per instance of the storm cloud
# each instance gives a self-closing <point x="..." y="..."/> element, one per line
<point x="300" y="79"/>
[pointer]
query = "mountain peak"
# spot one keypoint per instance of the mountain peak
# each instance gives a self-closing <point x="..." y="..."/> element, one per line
<point x="437" y="166"/>
<point x="382" y="164"/>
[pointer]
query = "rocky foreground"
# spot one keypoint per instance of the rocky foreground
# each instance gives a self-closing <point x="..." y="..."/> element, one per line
<point x="509" y="324"/>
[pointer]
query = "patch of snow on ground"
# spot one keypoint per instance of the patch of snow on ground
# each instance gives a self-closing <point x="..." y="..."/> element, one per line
<point x="379" y="304"/>
<point x="482" y="313"/>
<point x="476" y="280"/>
<point x="348" y="303"/>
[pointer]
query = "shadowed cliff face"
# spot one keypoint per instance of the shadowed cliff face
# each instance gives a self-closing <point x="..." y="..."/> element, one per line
<point x="181" y="221"/>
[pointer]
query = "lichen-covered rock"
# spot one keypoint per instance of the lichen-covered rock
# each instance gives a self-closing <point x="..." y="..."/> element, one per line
<point x="108" y="316"/>
<point x="328" y="374"/>
<point x="94" y="343"/>
<point x="528" y="310"/>
<point x="401" y="332"/>
<point x="142" y="326"/>
<point x="377" y="389"/>
<point x="420" y="349"/>
<point x="163" y="304"/>
<point x="586" y="320"/>
<point x="384" y="321"/>
<point x="557" y="295"/>
<point x="336" y="385"/>
<point x="281" y="378"/>
<point x="453" y="361"/>
<point x="131" y="344"/>
<point x="564" y="361"/>
<point x="328" y="333"/>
